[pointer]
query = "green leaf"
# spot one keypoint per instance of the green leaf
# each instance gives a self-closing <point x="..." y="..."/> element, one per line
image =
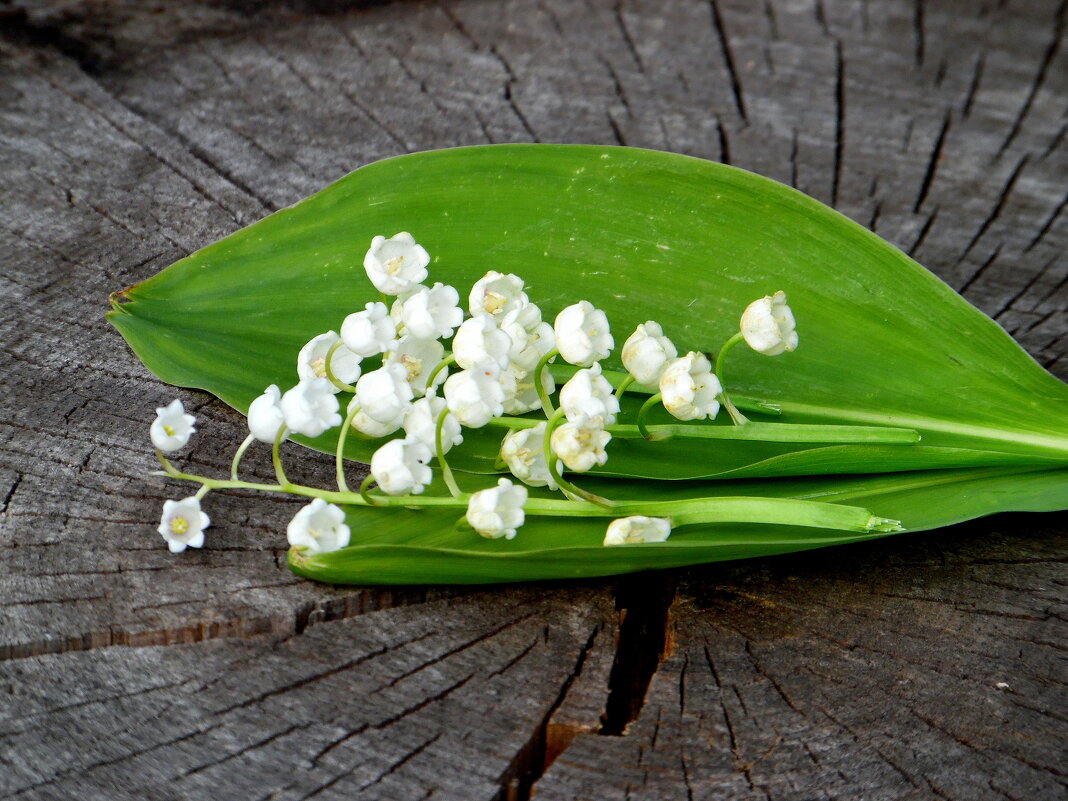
<point x="398" y="546"/>
<point x="643" y="235"/>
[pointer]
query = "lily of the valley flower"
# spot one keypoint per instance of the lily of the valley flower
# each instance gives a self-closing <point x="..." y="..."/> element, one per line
<point x="385" y="394"/>
<point x="368" y="332"/>
<point x="768" y="325"/>
<point x="588" y="394"/>
<point x="531" y="338"/>
<point x="498" y="512"/>
<point x="310" y="408"/>
<point x="524" y="453"/>
<point x="690" y="389"/>
<point x="265" y="415"/>
<point x="496" y="294"/>
<point x="475" y="396"/>
<point x="429" y="312"/>
<point x="580" y="444"/>
<point x="370" y="427"/>
<point x="647" y="352"/>
<point x="582" y="334"/>
<point x="525" y="397"/>
<point x="311" y="361"/>
<point x="479" y="339"/>
<point x="172" y="427"/>
<point x="636" y="529"/>
<point x="318" y="527"/>
<point x="183" y="524"/>
<point x="397" y="264"/>
<point x="418" y="357"/>
<point x="421" y="424"/>
<point x="400" y="467"/>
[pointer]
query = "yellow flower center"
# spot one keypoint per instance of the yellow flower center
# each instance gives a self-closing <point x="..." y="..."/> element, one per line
<point x="493" y="302"/>
<point x="169" y="430"/>
<point x="413" y="365"/>
<point x="318" y="366"/>
<point x="179" y="525"/>
<point x="393" y="265"/>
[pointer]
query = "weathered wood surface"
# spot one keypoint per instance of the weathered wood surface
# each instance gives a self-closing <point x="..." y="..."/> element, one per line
<point x="927" y="666"/>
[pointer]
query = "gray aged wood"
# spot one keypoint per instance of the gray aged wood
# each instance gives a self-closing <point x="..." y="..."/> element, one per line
<point x="927" y="666"/>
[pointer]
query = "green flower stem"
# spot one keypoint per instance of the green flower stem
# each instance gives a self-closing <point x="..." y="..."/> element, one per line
<point x="543" y="396"/>
<point x="450" y="359"/>
<point x="622" y="387"/>
<point x="240" y="454"/>
<point x="339" y="456"/>
<point x="330" y="373"/>
<point x="551" y="460"/>
<point x="204" y="490"/>
<point x="643" y="412"/>
<point x="773" y="511"/>
<point x="738" y="418"/>
<point x="446" y="471"/>
<point x="276" y="457"/>
<point x="773" y="432"/>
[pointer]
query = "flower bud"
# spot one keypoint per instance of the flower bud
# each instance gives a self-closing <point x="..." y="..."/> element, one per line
<point x="582" y="334"/>
<point x="636" y="529"/>
<point x="768" y="325"/>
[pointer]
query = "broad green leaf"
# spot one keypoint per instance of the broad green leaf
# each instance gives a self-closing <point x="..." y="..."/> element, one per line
<point x="643" y="235"/>
<point x="397" y="546"/>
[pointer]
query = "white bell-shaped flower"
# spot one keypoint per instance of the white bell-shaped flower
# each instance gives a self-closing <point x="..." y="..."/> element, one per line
<point x="768" y="325"/>
<point x="310" y="408"/>
<point x="183" y="524"/>
<point x="529" y="342"/>
<point x="525" y="398"/>
<point x="479" y="339"/>
<point x="385" y="394"/>
<point x="369" y="332"/>
<point x="582" y="334"/>
<point x="418" y="357"/>
<point x="172" y="427"/>
<point x="318" y="527"/>
<point x="498" y="512"/>
<point x="690" y="389"/>
<point x="524" y="453"/>
<point x="421" y="424"/>
<point x="475" y="396"/>
<point x="588" y="394"/>
<point x="311" y="361"/>
<point x="397" y="264"/>
<point x="429" y="312"/>
<point x="400" y="467"/>
<point x="647" y="352"/>
<point x="580" y="444"/>
<point x="370" y="427"/>
<point x="496" y="294"/>
<point x="636" y="529"/>
<point x="265" y="416"/>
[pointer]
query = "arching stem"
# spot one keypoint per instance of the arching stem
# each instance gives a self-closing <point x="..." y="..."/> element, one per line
<point x="738" y="418"/>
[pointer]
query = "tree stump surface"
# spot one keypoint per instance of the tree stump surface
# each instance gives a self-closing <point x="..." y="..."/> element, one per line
<point x="922" y="666"/>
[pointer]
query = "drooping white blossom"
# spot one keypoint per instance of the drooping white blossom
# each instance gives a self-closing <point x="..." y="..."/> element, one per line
<point x="397" y="264"/>
<point x="582" y="334"/>
<point x="265" y="416"/>
<point x="690" y="389"/>
<point x="418" y="357"/>
<point x="768" y="325"/>
<point x="370" y="427"/>
<point x="311" y="361"/>
<point x="588" y="394"/>
<point x="580" y="444"/>
<point x="310" y="408"/>
<point x="496" y="294"/>
<point x="400" y="467"/>
<point x="525" y="398"/>
<point x="478" y="339"/>
<point x="422" y="420"/>
<point x="524" y="453"/>
<point x="183" y="524"/>
<point x="636" y="529"/>
<point x="429" y="312"/>
<point x="497" y="512"/>
<point x="172" y="427"/>
<point x="475" y="396"/>
<point x="531" y="338"/>
<point x="369" y="332"/>
<point x="318" y="527"/>
<point x="385" y="394"/>
<point x="647" y="352"/>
